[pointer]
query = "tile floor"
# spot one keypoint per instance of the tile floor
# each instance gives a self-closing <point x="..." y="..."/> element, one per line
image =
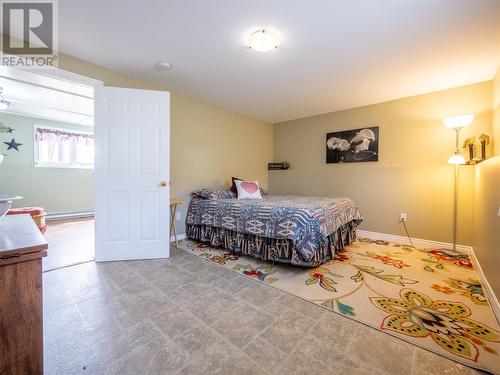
<point x="185" y="315"/>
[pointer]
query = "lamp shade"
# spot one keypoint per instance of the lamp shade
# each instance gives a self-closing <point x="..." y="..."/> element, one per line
<point x="456" y="158"/>
<point x="458" y="121"/>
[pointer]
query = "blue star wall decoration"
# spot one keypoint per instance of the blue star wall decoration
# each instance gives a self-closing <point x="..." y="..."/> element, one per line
<point x="13" y="144"/>
<point x="5" y="129"/>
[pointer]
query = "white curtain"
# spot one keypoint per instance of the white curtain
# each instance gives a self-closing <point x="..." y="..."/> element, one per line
<point x="52" y="142"/>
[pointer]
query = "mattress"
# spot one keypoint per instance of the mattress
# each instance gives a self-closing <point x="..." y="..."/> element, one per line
<point x="299" y="230"/>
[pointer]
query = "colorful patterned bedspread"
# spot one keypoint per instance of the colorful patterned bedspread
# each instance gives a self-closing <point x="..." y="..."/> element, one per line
<point x="306" y="221"/>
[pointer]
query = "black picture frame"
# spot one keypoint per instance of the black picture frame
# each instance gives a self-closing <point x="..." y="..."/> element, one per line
<point x="353" y="146"/>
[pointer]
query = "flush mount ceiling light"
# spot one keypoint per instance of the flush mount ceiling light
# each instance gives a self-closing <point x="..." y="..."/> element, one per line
<point x="4" y="104"/>
<point x="263" y="40"/>
<point x="163" y="66"/>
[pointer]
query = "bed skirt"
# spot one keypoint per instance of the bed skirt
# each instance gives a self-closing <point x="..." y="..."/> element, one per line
<point x="272" y="249"/>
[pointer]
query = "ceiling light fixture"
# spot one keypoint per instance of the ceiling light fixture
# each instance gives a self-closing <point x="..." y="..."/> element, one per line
<point x="263" y="40"/>
<point x="4" y="104"/>
<point x="163" y="66"/>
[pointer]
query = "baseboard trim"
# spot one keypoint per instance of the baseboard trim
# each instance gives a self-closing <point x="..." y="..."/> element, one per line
<point x="494" y="302"/>
<point x="69" y="215"/>
<point x="418" y="242"/>
<point x="180" y="237"/>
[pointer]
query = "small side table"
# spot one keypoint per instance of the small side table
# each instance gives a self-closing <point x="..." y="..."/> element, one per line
<point x="174" y="202"/>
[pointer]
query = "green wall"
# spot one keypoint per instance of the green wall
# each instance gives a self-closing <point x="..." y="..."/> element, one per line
<point x="56" y="189"/>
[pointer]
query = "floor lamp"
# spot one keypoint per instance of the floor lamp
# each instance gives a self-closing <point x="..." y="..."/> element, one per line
<point x="457" y="123"/>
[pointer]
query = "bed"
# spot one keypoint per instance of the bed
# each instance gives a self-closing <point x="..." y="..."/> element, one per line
<point x="303" y="231"/>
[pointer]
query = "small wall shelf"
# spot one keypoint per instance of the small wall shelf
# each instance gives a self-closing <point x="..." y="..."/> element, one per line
<point x="278" y="166"/>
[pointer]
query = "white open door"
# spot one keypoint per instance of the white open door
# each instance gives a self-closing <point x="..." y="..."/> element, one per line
<point x="132" y="173"/>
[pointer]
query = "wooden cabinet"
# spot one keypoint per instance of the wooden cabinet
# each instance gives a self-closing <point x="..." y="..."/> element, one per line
<point x="22" y="247"/>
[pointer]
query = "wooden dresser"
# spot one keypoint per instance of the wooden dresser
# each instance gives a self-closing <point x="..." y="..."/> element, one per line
<point x="22" y="247"/>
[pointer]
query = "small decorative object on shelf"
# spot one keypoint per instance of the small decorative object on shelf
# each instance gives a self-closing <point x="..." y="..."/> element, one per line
<point x="485" y="140"/>
<point x="278" y="166"/>
<point x="469" y="144"/>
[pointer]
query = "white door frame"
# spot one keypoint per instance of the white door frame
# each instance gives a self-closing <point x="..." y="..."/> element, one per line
<point x="74" y="83"/>
<point x="52" y="72"/>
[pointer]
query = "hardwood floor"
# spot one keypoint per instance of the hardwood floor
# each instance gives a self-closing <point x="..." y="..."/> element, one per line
<point x="70" y="242"/>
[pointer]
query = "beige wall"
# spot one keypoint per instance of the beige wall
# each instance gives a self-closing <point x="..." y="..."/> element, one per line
<point x="487" y="202"/>
<point x="208" y="144"/>
<point x="486" y="220"/>
<point x="496" y="112"/>
<point x="412" y="174"/>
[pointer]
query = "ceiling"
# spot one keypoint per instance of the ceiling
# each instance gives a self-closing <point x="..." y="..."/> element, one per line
<point x="40" y="95"/>
<point x="334" y="54"/>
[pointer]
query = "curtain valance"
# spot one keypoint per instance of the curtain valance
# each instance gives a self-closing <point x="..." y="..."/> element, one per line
<point x="49" y="134"/>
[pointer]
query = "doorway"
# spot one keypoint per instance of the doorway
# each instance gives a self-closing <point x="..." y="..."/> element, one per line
<point x="109" y="205"/>
<point x="50" y="116"/>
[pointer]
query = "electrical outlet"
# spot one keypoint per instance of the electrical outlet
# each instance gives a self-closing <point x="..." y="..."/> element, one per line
<point x="178" y="216"/>
<point x="402" y="216"/>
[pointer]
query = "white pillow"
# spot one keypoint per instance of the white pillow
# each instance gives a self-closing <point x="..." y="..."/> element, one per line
<point x="248" y="189"/>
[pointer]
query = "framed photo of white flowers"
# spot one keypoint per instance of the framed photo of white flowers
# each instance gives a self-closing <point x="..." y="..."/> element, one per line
<point x="352" y="146"/>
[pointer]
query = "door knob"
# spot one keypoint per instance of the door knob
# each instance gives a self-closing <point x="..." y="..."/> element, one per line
<point x="163" y="183"/>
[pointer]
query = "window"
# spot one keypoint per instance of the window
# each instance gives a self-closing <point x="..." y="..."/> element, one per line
<point x="56" y="147"/>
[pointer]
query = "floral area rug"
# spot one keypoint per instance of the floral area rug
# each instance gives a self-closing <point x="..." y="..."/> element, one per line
<point x="431" y="298"/>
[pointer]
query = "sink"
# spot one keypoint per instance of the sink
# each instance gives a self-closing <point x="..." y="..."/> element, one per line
<point x="6" y="203"/>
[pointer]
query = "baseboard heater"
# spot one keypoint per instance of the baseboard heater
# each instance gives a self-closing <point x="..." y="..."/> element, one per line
<point x="69" y="215"/>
